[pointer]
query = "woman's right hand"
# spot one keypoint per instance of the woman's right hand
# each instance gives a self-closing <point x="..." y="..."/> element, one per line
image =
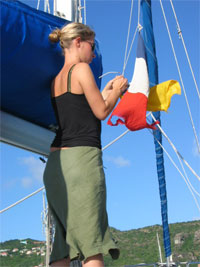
<point x="120" y="83"/>
<point x="100" y="105"/>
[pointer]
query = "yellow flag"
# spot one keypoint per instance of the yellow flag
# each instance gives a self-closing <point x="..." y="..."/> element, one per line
<point x="160" y="95"/>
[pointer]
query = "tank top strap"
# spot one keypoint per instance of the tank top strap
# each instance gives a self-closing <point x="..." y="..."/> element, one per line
<point x="69" y="79"/>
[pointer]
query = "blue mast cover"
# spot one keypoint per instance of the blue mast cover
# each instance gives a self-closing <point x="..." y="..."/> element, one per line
<point x="153" y="77"/>
<point x="29" y="62"/>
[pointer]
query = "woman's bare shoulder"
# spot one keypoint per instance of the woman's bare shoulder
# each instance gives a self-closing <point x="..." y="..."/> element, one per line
<point x="82" y="66"/>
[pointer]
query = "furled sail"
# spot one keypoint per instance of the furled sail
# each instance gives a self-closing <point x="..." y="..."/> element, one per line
<point x="153" y="77"/>
<point x="28" y="64"/>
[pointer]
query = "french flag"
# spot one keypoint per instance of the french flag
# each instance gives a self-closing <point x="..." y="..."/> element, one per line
<point x="132" y="108"/>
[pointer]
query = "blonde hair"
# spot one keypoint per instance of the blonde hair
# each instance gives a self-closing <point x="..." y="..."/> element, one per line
<point x="69" y="32"/>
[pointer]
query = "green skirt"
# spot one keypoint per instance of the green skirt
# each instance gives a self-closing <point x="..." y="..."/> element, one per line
<point x="75" y="186"/>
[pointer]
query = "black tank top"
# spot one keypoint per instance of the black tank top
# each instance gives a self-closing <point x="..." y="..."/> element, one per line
<point x="77" y="125"/>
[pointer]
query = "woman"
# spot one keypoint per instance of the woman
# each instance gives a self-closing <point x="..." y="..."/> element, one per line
<point x="74" y="176"/>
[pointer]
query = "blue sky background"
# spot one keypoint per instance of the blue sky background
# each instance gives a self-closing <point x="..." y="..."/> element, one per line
<point x="130" y="164"/>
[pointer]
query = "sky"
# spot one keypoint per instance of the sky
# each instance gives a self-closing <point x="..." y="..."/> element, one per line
<point x="130" y="164"/>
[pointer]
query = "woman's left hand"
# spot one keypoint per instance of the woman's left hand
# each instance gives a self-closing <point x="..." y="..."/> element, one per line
<point x="108" y="88"/>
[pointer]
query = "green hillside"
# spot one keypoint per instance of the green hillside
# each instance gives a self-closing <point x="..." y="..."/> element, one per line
<point x="136" y="246"/>
<point x="140" y="245"/>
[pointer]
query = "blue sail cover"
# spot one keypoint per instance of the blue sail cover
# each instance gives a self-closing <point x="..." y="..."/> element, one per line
<point x="29" y="62"/>
<point x="153" y="77"/>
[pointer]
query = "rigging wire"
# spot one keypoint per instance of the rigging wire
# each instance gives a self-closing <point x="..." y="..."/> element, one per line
<point x="54" y="7"/>
<point x="174" y="148"/>
<point x="44" y="219"/>
<point x="130" y="17"/>
<point x="85" y="12"/>
<point x="79" y="8"/>
<point x="49" y="11"/>
<point x="178" y="168"/>
<point x="138" y="28"/>
<point x="186" y="52"/>
<point x="21" y="200"/>
<point x="46" y="6"/>
<point x="189" y="185"/>
<point x="115" y="140"/>
<point x="38" y="4"/>
<point x="131" y="46"/>
<point x="125" y="63"/>
<point x="180" y="76"/>
<point x="138" y="12"/>
<point x="40" y="189"/>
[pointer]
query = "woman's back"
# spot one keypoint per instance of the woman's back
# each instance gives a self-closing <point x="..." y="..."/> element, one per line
<point x="77" y="124"/>
<point x="59" y="85"/>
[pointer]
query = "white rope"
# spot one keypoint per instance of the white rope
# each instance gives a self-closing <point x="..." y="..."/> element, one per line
<point x="108" y="73"/>
<point x="21" y="200"/>
<point x="131" y="11"/>
<point x="194" y="130"/>
<point x="189" y="185"/>
<point x="174" y="148"/>
<point x="181" y="36"/>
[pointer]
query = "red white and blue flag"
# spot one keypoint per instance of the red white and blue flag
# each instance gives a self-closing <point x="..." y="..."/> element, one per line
<point x="132" y="108"/>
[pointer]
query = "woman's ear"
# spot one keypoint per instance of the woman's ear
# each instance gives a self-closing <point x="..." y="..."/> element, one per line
<point x="77" y="41"/>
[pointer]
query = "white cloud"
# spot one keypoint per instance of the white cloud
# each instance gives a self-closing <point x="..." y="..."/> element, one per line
<point x="118" y="161"/>
<point x="196" y="218"/>
<point x="26" y="182"/>
<point x="35" y="168"/>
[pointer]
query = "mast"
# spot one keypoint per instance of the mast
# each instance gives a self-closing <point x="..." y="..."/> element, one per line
<point x="159" y="248"/>
<point x="153" y="77"/>
<point x="68" y="9"/>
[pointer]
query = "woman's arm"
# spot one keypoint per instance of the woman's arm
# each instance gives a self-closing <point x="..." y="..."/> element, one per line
<point x="108" y="88"/>
<point x="101" y="107"/>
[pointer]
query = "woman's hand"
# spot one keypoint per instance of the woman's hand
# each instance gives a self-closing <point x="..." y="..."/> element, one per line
<point x="121" y="85"/>
<point x="100" y="106"/>
<point x="107" y="89"/>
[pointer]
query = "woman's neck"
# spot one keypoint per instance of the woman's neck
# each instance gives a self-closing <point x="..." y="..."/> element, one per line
<point x="71" y="57"/>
